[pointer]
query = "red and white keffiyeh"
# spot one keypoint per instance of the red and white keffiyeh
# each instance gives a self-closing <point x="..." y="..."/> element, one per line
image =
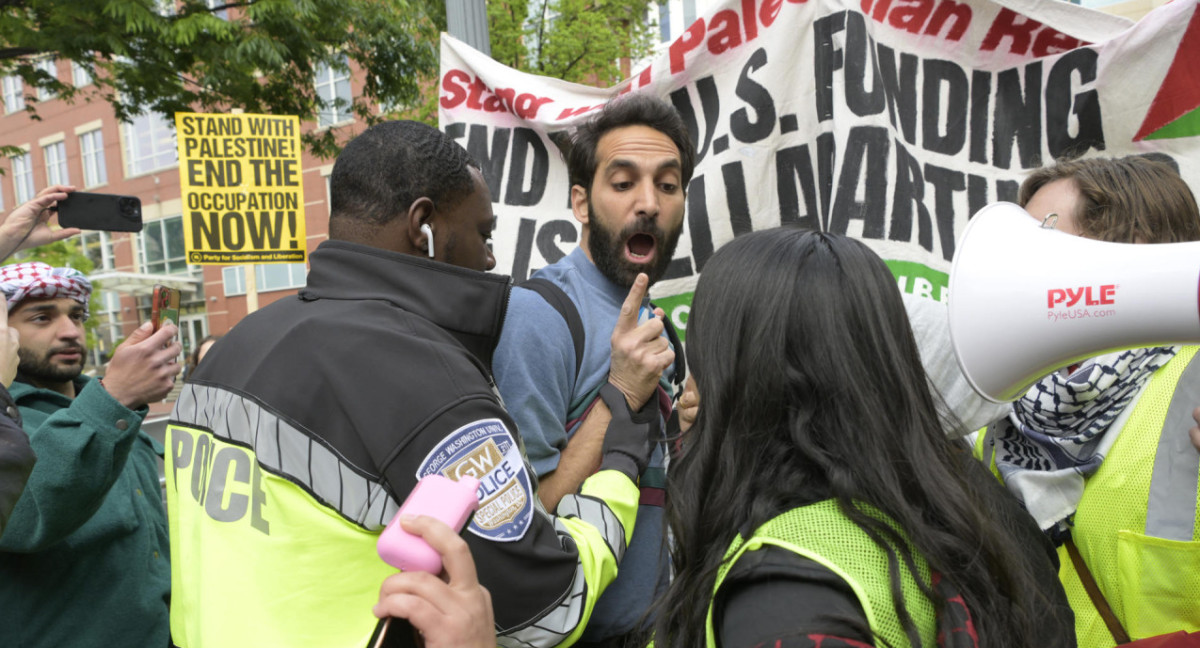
<point x="37" y="280"/>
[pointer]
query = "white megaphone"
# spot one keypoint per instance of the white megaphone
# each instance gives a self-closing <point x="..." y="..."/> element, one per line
<point x="1026" y="300"/>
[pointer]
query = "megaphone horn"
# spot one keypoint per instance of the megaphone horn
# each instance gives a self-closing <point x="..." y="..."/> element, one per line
<point x="1026" y="300"/>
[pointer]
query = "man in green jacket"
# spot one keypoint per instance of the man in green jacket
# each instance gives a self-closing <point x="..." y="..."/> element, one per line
<point x="84" y="557"/>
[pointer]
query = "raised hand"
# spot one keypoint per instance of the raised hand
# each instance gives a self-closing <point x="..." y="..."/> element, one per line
<point x="144" y="367"/>
<point x="640" y="353"/>
<point x="26" y="226"/>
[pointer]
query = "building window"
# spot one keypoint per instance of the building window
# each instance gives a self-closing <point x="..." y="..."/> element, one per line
<point x="56" y="163"/>
<point x="23" y="178"/>
<point x="333" y="89"/>
<point x="234" y="280"/>
<point x="80" y="76"/>
<point x="98" y="247"/>
<point x="664" y="22"/>
<point x="149" y="144"/>
<point x="267" y="277"/>
<point x="14" y="94"/>
<point x="163" y="248"/>
<point x="689" y="13"/>
<point x="49" y="66"/>
<point x="91" y="150"/>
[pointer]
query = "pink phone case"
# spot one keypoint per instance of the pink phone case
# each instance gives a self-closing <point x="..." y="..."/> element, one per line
<point x="438" y="497"/>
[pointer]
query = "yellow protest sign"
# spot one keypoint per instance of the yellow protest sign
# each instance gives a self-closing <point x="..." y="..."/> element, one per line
<point x="243" y="196"/>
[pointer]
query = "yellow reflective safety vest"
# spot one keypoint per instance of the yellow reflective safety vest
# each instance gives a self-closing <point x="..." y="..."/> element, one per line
<point x="1137" y="523"/>
<point x="313" y="553"/>
<point x="820" y="532"/>
<point x="1136" y="526"/>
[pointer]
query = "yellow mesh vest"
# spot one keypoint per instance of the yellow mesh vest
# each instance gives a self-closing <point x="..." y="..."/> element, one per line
<point x="820" y="532"/>
<point x="1151" y="583"/>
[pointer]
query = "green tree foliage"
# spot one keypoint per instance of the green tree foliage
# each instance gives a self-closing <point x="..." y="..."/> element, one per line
<point x="257" y="55"/>
<point x="583" y="41"/>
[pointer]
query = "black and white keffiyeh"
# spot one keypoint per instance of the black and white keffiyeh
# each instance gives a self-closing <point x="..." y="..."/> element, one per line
<point x="1059" y="432"/>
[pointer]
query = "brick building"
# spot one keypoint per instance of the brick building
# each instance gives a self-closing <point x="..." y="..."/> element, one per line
<point x="83" y="144"/>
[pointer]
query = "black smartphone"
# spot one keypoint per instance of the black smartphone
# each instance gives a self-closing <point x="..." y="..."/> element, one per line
<point x="96" y="211"/>
<point x="164" y="306"/>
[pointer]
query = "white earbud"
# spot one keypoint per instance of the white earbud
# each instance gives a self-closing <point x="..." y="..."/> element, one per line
<point x="428" y="235"/>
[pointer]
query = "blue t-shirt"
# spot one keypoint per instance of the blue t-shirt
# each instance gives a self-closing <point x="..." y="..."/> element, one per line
<point x="534" y="365"/>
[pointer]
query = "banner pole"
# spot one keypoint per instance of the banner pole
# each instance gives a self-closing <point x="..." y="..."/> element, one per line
<point x="251" y="288"/>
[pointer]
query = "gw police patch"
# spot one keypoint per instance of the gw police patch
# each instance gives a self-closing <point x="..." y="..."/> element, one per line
<point x="486" y="451"/>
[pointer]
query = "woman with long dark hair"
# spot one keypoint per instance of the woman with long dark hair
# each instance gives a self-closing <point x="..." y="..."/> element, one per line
<point x="816" y="499"/>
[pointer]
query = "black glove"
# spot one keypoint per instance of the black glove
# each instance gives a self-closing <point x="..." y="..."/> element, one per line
<point x="631" y="436"/>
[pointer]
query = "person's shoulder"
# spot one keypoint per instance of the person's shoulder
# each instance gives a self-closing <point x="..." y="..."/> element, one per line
<point x="530" y="312"/>
<point x="20" y="389"/>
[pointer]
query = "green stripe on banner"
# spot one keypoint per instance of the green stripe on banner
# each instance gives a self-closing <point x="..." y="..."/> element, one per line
<point x="1186" y="126"/>
<point x="920" y="280"/>
<point x="677" y="308"/>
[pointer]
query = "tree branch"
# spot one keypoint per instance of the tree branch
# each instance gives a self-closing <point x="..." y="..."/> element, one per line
<point x="14" y="52"/>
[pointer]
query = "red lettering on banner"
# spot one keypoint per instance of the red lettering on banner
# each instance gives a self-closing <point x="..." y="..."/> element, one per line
<point x="689" y="40"/>
<point x="571" y="112"/>
<point x="911" y="18"/>
<point x="507" y="95"/>
<point x="946" y="10"/>
<point x="455" y="93"/>
<point x="881" y="9"/>
<point x="726" y="29"/>
<point x="1012" y="25"/>
<point x="769" y="11"/>
<point x="749" y="23"/>
<point x="528" y="105"/>
<point x="643" y="80"/>
<point x="459" y="87"/>
<point x="727" y="33"/>
<point x="477" y="90"/>
<point x="914" y="15"/>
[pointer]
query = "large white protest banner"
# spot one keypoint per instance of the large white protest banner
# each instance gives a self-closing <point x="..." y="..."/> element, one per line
<point x="888" y="120"/>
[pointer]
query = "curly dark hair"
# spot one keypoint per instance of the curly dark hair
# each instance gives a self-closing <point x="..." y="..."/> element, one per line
<point x="390" y="165"/>
<point x="629" y="110"/>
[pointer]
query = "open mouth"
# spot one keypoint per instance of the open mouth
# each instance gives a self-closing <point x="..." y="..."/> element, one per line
<point x="640" y="247"/>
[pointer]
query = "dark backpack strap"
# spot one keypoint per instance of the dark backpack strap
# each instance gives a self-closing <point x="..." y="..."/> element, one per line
<point x="565" y="307"/>
<point x="1093" y="591"/>
<point x="680" y="358"/>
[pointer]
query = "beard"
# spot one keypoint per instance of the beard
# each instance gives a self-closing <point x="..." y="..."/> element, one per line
<point x="608" y="249"/>
<point x="43" y="370"/>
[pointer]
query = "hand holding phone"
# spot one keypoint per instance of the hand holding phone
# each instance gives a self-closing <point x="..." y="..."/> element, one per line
<point x="439" y="497"/>
<point x="164" y="306"/>
<point x="95" y="211"/>
<point x="442" y="498"/>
